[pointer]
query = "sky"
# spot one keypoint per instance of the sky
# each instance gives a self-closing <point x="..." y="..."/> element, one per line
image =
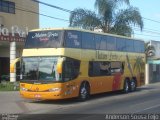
<point x="149" y="9"/>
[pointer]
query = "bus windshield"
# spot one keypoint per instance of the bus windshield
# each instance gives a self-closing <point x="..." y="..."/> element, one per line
<point x="40" y="68"/>
<point x="44" y="39"/>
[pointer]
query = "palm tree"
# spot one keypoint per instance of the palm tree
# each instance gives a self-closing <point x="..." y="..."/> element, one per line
<point x="109" y="18"/>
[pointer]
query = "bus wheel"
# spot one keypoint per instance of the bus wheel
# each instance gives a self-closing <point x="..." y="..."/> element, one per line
<point x="133" y="85"/>
<point x="126" y="86"/>
<point x="84" y="91"/>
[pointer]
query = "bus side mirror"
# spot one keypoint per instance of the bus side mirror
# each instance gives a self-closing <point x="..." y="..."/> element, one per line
<point x="13" y="64"/>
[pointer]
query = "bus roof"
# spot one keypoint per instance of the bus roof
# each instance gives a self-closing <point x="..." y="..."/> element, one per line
<point x="83" y="30"/>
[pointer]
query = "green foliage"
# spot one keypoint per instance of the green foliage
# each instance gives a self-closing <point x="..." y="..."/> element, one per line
<point x="109" y="17"/>
<point x="8" y="86"/>
<point x="84" y="18"/>
<point x="124" y="20"/>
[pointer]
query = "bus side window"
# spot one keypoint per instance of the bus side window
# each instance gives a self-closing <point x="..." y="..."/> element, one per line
<point x="76" y="68"/>
<point x="111" y="43"/>
<point x="105" y="68"/>
<point x="120" y="44"/>
<point x="67" y="70"/>
<point x="99" y="68"/>
<point x="117" y="67"/>
<point x="71" y="69"/>
<point x="72" y="39"/>
<point x="90" y="71"/>
<point x="94" y="69"/>
<point x="129" y="45"/>
<point x="88" y="41"/>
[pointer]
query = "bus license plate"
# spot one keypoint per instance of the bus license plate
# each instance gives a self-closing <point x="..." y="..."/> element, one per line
<point x="37" y="96"/>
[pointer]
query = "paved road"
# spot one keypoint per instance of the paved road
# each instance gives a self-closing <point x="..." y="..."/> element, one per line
<point x="145" y="100"/>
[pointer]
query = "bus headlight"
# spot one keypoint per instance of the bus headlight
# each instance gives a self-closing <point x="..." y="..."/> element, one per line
<point x="55" y="89"/>
<point x="23" y="89"/>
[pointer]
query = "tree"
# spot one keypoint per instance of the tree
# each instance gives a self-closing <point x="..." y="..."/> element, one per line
<point x="109" y="17"/>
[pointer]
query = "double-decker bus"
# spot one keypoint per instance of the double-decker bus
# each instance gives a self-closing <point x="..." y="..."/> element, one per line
<point x="66" y="63"/>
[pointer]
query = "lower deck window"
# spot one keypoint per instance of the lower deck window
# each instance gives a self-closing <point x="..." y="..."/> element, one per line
<point x="71" y="69"/>
<point x="105" y="68"/>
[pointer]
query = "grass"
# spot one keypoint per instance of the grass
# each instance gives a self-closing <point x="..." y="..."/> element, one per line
<point x="8" y="86"/>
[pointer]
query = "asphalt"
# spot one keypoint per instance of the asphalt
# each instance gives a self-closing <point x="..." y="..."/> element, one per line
<point x="144" y="101"/>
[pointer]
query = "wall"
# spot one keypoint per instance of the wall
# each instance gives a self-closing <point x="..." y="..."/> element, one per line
<point x="24" y="21"/>
<point x="21" y="18"/>
<point x="154" y="73"/>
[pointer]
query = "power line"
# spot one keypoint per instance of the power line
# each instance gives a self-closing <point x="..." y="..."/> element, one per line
<point x="53" y="6"/>
<point x="66" y="10"/>
<point x="41" y="14"/>
<point x="64" y="19"/>
<point x="146" y="35"/>
<point x="68" y="21"/>
<point x="144" y="29"/>
<point x="150" y="20"/>
<point x="137" y="27"/>
<point x="151" y="30"/>
<point x="147" y="31"/>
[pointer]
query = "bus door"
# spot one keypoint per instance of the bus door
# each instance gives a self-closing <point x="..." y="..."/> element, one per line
<point x="71" y="71"/>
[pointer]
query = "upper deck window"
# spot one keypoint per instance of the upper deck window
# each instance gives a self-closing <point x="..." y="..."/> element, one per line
<point x="88" y="41"/>
<point x="103" y="43"/>
<point x="73" y="39"/>
<point x="129" y="45"/>
<point x="139" y="46"/>
<point x="44" y="39"/>
<point x="121" y="44"/>
<point x="97" y="41"/>
<point x="111" y="43"/>
<point x="82" y="40"/>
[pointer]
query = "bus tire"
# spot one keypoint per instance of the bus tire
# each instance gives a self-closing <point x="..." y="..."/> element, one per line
<point x="133" y="85"/>
<point x="126" y="86"/>
<point x="84" y="91"/>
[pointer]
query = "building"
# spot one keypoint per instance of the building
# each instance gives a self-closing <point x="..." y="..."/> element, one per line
<point x="153" y="62"/>
<point x="17" y="17"/>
